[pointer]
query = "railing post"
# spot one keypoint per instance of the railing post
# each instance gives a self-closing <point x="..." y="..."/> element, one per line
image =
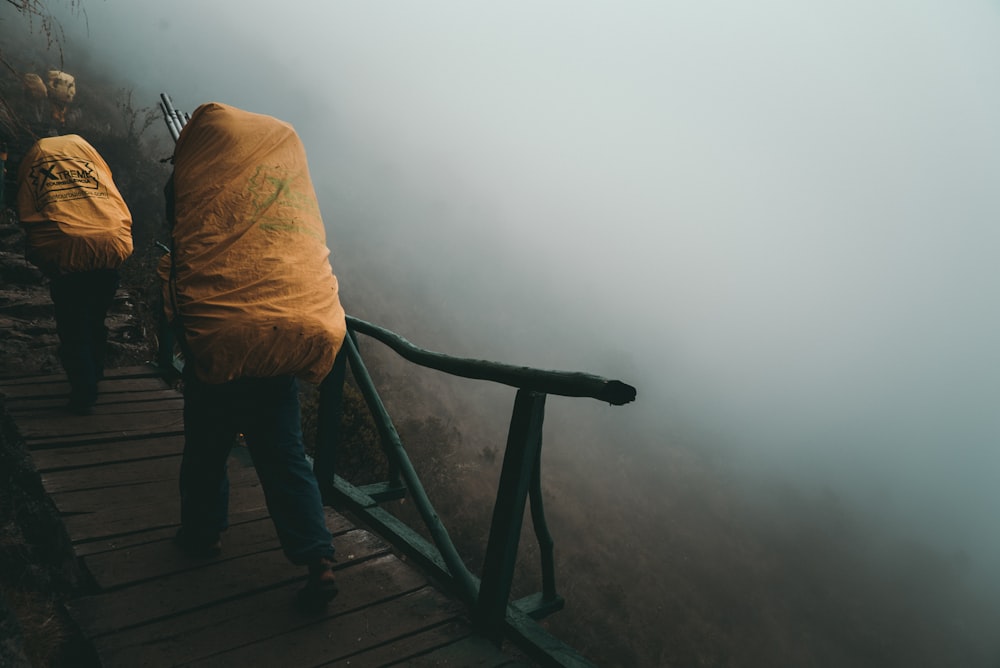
<point x="463" y="579"/>
<point x="524" y="443"/>
<point x="545" y="542"/>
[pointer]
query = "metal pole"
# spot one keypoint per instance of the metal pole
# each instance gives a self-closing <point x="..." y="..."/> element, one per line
<point x="175" y="119"/>
<point x="169" y="120"/>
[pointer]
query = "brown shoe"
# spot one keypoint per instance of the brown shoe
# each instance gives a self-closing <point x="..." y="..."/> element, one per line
<point x="320" y="588"/>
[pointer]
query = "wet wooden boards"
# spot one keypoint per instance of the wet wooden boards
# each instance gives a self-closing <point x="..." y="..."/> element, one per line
<point x="113" y="477"/>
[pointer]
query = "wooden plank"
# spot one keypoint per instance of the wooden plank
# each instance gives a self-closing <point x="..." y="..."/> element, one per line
<point x="76" y="456"/>
<point x="120" y="372"/>
<point x="266" y="614"/>
<point x="470" y="652"/>
<point x="155" y="559"/>
<point x="215" y="581"/>
<point x="16" y="392"/>
<point x="126" y="497"/>
<point x="112" y="474"/>
<point x="334" y="638"/>
<point x="130" y="496"/>
<point x="107" y="404"/>
<point x="408" y="648"/>
<point x="148" y="534"/>
<point x="96" y="439"/>
<point x="115" y="523"/>
<point x="160" y="508"/>
<point x="70" y="427"/>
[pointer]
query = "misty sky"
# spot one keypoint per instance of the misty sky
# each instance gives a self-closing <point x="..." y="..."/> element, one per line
<point x="779" y="219"/>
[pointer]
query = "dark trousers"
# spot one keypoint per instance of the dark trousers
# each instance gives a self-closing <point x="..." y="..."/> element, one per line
<point x="81" y="302"/>
<point x="266" y="411"/>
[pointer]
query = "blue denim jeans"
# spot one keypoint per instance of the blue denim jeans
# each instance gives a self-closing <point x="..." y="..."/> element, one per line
<point x="266" y="411"/>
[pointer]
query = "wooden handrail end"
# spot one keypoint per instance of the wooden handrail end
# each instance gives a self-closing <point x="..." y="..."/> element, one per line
<point x="617" y="393"/>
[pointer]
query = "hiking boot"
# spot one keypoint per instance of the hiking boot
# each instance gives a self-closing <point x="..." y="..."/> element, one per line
<point x="320" y="587"/>
<point x="198" y="547"/>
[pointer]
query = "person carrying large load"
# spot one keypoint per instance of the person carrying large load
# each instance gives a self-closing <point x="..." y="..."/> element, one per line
<point x="34" y="87"/>
<point x="79" y="232"/>
<point x="61" y="91"/>
<point x="36" y="93"/>
<point x="255" y="304"/>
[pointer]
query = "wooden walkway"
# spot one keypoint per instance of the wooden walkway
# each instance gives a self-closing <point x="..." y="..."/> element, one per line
<point x="113" y="478"/>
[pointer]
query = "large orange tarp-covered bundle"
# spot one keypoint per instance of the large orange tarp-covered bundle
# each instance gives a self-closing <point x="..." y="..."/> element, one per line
<point x="74" y="217"/>
<point x="251" y="280"/>
<point x="62" y="87"/>
<point x="62" y="90"/>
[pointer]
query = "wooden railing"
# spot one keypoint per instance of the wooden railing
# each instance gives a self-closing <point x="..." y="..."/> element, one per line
<point x="520" y="480"/>
<point x="488" y="596"/>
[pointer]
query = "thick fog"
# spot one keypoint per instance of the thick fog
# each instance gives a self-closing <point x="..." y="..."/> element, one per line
<point x="779" y="220"/>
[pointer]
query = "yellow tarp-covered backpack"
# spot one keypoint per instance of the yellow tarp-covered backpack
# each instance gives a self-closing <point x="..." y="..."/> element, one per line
<point x="73" y="215"/>
<point x="34" y="86"/>
<point x="250" y="283"/>
<point x="62" y="87"/>
<point x="62" y="90"/>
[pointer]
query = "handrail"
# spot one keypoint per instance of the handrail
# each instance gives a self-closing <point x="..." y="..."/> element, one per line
<point x="520" y="481"/>
<point x="563" y="383"/>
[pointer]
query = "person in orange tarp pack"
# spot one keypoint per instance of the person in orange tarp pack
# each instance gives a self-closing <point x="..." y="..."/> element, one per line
<point x="79" y="232"/>
<point x="254" y="302"/>
<point x="62" y="91"/>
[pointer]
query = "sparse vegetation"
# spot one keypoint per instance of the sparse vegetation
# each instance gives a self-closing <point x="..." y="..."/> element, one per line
<point x="40" y="21"/>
